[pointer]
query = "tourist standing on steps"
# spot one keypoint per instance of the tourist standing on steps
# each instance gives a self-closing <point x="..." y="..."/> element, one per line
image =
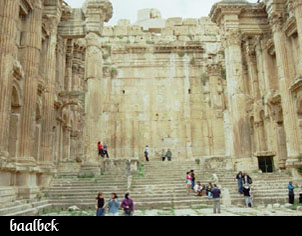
<point x="114" y="204"/>
<point x="247" y="196"/>
<point x="216" y="193"/>
<point x="239" y="179"/>
<point x="291" y="193"/>
<point x="147" y="151"/>
<point x="163" y="155"/>
<point x="247" y="180"/>
<point x="100" y="205"/>
<point x="169" y="155"/>
<point x="193" y="179"/>
<point x="101" y="149"/>
<point x="189" y="182"/>
<point x="209" y="190"/>
<point x="105" y="148"/>
<point x="128" y="205"/>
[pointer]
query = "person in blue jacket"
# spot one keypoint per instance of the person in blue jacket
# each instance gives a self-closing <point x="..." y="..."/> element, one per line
<point x="291" y="193"/>
<point x="114" y="204"/>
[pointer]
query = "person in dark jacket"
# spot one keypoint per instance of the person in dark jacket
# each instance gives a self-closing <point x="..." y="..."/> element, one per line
<point x="246" y="179"/>
<point x="216" y="193"/>
<point x="128" y="205"/>
<point x="169" y="155"/>
<point x="100" y="205"/>
<point x="193" y="178"/>
<point x="247" y="196"/>
<point x="239" y="178"/>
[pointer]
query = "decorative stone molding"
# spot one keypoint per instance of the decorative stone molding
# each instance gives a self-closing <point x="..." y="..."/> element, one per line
<point x="290" y="27"/>
<point x="297" y="85"/>
<point x="18" y="71"/>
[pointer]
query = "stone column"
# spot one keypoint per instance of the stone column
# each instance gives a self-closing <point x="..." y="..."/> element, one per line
<point x="30" y="63"/>
<point x="290" y="117"/>
<point x="93" y="104"/>
<point x="215" y="119"/>
<point x="96" y="12"/>
<point x="241" y="147"/>
<point x="25" y="162"/>
<point x="48" y="97"/>
<point x="49" y="120"/>
<point x="8" y="53"/>
<point x="297" y="7"/>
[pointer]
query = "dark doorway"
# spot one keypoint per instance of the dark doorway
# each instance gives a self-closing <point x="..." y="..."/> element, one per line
<point x="266" y="164"/>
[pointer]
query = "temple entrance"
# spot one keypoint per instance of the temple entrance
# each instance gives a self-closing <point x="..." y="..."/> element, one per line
<point x="266" y="164"/>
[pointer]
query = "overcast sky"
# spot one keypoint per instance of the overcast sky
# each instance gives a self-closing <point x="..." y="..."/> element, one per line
<point x="127" y="9"/>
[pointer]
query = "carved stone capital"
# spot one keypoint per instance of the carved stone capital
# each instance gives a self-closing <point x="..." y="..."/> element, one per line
<point x="232" y="37"/>
<point x="276" y="20"/>
<point x="97" y="12"/>
<point x="214" y="69"/>
<point x="93" y="40"/>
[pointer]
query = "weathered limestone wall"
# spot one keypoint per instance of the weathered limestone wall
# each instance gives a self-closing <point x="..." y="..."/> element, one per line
<point x="263" y="48"/>
<point x="163" y="90"/>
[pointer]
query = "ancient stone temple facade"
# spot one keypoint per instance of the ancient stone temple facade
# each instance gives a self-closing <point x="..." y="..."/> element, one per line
<point x="43" y="52"/>
<point x="262" y="44"/>
<point x="226" y="89"/>
<point x="163" y="86"/>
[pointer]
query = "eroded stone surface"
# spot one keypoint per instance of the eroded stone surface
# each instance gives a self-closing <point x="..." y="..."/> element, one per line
<point x="224" y="90"/>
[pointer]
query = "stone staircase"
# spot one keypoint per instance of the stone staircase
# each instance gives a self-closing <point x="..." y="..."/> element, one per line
<point x="162" y="185"/>
<point x="266" y="189"/>
<point x="23" y="207"/>
<point x="69" y="189"/>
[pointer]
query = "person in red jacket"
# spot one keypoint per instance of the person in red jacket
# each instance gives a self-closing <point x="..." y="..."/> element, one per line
<point x="101" y="149"/>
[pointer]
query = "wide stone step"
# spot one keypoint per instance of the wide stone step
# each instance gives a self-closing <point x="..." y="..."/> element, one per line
<point x="12" y="210"/>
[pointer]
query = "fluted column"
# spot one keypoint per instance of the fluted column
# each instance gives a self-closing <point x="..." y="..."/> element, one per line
<point x="252" y="70"/>
<point x="96" y="12"/>
<point x="241" y="147"/>
<point x="8" y="52"/>
<point x="283" y="56"/>
<point x="48" y="98"/>
<point x="215" y="117"/>
<point x="297" y="6"/>
<point x="30" y="63"/>
<point x="94" y="97"/>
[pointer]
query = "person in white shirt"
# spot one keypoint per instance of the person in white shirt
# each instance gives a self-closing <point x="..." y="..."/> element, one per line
<point x="198" y="189"/>
<point x="147" y="150"/>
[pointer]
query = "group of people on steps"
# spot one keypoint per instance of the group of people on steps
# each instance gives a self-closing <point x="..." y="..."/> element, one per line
<point x="164" y="155"/>
<point x="210" y="190"/>
<point x="103" y="150"/>
<point x="113" y="205"/>
<point x="244" y="188"/>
